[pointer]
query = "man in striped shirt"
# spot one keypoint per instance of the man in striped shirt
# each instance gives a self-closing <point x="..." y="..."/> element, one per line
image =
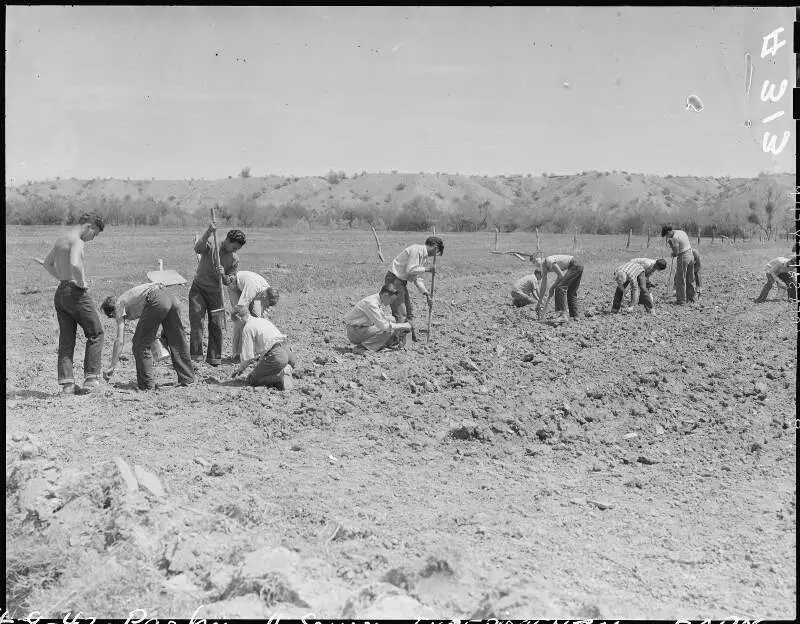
<point x="409" y="266"/>
<point x="633" y="274"/>
<point x="368" y="327"/>
<point x="650" y="266"/>
<point x="569" y="272"/>
<point x="779" y="271"/>
<point x="678" y="241"/>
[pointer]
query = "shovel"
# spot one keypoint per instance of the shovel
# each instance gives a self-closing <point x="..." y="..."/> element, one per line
<point x="219" y="311"/>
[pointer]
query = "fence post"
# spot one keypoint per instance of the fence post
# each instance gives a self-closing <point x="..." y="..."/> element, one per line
<point x="537" y="240"/>
<point x="575" y="240"/>
<point x="628" y="244"/>
<point x="698" y="234"/>
<point x="713" y="233"/>
<point x="434" y="230"/>
<point x="648" y="238"/>
<point x="496" y="236"/>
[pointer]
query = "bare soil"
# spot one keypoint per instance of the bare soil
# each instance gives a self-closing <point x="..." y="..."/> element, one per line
<point x="625" y="466"/>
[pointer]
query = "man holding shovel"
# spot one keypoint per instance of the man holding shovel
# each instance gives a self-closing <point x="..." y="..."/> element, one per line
<point x="678" y="240"/>
<point x="205" y="294"/>
<point x="409" y="266"/>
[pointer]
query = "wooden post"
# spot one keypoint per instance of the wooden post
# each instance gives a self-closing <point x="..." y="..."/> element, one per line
<point x="698" y="234"/>
<point x="628" y="244"/>
<point x="496" y="237"/>
<point x="713" y="233"/>
<point x="575" y="240"/>
<point x="537" y="240"/>
<point x="434" y="230"/>
<point x="648" y="238"/>
<point x="734" y="236"/>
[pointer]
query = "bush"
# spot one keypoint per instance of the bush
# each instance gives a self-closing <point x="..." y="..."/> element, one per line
<point x="417" y="215"/>
<point x="245" y="172"/>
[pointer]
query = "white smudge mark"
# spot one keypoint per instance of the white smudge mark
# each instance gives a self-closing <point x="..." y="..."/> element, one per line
<point x="748" y="62"/>
<point x="567" y="84"/>
<point x="693" y="103"/>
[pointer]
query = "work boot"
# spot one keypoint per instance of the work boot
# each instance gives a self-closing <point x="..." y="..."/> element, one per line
<point x="414" y="336"/>
<point x="67" y="388"/>
<point x="562" y="318"/>
<point x="89" y="386"/>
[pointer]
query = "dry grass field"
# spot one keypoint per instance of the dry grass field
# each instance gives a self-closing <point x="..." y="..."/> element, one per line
<point x="623" y="466"/>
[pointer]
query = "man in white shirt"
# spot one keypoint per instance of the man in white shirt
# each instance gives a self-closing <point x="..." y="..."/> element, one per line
<point x="650" y="266"/>
<point x="526" y="290"/>
<point x="569" y="272"/>
<point x="249" y="294"/>
<point x="264" y="344"/>
<point x="678" y="240"/>
<point x="779" y="271"/>
<point x="155" y="307"/>
<point x="367" y="325"/>
<point x="409" y="266"/>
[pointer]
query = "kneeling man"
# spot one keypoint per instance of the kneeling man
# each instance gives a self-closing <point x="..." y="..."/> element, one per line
<point x="367" y="325"/>
<point x="263" y="344"/>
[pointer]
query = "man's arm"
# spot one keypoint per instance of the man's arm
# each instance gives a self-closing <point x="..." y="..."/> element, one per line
<point x="242" y="367"/>
<point x="118" y="342"/>
<point x="229" y="275"/>
<point x="49" y="263"/>
<point x="376" y="316"/>
<point x="202" y="245"/>
<point x="76" y="264"/>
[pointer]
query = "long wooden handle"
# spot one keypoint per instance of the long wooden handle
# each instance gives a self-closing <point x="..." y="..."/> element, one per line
<point x="430" y="308"/>
<point x="219" y="262"/>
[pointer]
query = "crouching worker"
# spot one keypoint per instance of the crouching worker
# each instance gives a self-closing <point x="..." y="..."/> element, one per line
<point x="526" y="290"/>
<point x="250" y="295"/>
<point x="779" y="272"/>
<point x="263" y="344"/>
<point x="634" y="274"/>
<point x="155" y="307"/>
<point x="367" y="325"/>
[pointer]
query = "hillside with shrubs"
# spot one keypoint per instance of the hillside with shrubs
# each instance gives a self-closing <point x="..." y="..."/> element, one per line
<point x="592" y="202"/>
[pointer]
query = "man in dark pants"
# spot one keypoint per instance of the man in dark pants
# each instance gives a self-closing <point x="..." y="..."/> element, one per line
<point x="74" y="305"/>
<point x="409" y="266"/>
<point x="155" y="307"/>
<point x="205" y="295"/>
<point x="263" y="344"/>
<point x="633" y="274"/>
<point x="569" y="272"/>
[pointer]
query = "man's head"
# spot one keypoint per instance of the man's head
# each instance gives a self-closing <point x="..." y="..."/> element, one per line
<point x="387" y="294"/>
<point x="667" y="231"/>
<point x="538" y="263"/>
<point x="91" y="224"/>
<point x="661" y="264"/>
<point x="538" y="272"/>
<point x="270" y="297"/>
<point x="234" y="241"/>
<point x="109" y="306"/>
<point x="435" y="246"/>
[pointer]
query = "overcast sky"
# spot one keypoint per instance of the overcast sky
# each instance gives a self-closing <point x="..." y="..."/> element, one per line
<point x="189" y="91"/>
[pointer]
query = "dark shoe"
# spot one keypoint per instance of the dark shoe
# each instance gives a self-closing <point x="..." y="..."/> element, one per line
<point x="89" y="386"/>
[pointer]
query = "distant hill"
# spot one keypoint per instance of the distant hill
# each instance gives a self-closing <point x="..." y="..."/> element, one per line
<point x="608" y="195"/>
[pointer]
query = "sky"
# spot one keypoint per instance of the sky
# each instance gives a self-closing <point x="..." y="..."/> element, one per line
<point x="178" y="92"/>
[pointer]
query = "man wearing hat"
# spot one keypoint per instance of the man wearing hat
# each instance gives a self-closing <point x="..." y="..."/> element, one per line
<point x="367" y="325"/>
<point x="678" y="240"/>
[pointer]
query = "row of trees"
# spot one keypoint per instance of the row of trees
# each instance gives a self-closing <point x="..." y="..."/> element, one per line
<point x="771" y="217"/>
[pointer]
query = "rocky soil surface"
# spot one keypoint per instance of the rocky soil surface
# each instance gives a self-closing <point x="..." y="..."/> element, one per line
<point x="623" y="466"/>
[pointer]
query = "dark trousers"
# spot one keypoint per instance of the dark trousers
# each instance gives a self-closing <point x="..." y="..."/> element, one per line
<point x="644" y="299"/>
<point x="401" y="308"/>
<point x="267" y="371"/>
<point x="201" y="302"/>
<point x="684" y="277"/>
<point x="567" y="290"/>
<point x="161" y="310"/>
<point x="75" y="307"/>
<point x="786" y="278"/>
